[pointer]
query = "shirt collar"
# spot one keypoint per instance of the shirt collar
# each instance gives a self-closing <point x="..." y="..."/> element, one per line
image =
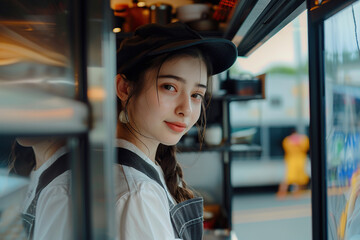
<point x="130" y="146"/>
<point x="61" y="151"/>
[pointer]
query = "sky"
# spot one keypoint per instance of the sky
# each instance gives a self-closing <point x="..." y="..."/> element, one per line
<point x="280" y="49"/>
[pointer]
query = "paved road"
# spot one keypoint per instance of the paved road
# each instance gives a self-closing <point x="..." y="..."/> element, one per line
<point x="264" y="216"/>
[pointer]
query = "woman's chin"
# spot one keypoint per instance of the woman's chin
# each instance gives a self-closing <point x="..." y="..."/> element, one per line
<point x="170" y="142"/>
<point x="26" y="142"/>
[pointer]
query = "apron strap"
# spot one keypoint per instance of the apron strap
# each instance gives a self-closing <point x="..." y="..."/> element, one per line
<point x="60" y="166"/>
<point x="186" y="217"/>
<point x="130" y="159"/>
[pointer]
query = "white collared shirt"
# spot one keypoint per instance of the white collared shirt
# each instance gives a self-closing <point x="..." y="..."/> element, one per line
<point x="53" y="215"/>
<point x="142" y="207"/>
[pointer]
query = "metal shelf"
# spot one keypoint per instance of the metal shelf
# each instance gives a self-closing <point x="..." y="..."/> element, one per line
<point x="27" y="111"/>
<point x="219" y="148"/>
<point x="233" y="98"/>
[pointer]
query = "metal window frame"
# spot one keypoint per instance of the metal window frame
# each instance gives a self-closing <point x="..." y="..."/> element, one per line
<point x="80" y="189"/>
<point x="318" y="12"/>
<point x="88" y="201"/>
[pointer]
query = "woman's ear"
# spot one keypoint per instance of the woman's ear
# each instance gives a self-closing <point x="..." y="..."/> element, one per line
<point x="122" y="87"/>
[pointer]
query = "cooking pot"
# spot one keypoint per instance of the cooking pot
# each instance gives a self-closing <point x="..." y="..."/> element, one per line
<point x="160" y="13"/>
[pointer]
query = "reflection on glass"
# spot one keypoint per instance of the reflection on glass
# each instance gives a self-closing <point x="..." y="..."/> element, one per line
<point x="34" y="46"/>
<point x="37" y="84"/>
<point x="44" y="209"/>
<point x="342" y="89"/>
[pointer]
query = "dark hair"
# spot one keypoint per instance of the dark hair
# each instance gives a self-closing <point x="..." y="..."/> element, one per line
<point x="22" y="160"/>
<point x="166" y="155"/>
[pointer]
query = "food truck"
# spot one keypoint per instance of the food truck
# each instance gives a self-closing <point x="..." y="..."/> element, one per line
<point x="57" y="73"/>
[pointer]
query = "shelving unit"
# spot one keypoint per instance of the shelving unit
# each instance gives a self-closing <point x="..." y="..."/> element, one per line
<point x="219" y="148"/>
<point x="227" y="153"/>
<point x="226" y="148"/>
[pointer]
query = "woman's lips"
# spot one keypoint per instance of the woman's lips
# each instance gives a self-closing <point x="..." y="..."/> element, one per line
<point x="176" y="126"/>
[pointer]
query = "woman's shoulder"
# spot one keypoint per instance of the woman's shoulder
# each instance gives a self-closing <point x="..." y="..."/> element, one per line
<point x="132" y="183"/>
<point x="142" y="202"/>
<point x="56" y="195"/>
<point x="59" y="186"/>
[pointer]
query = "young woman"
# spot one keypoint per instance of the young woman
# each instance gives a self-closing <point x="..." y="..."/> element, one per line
<point x="46" y="209"/>
<point x="163" y="76"/>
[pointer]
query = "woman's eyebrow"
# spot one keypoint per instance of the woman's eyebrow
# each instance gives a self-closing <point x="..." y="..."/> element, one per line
<point x="180" y="79"/>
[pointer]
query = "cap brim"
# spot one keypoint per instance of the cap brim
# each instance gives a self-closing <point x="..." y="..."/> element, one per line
<point x="221" y="52"/>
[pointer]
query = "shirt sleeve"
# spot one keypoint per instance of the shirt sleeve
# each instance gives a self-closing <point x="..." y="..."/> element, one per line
<point x="53" y="215"/>
<point x="144" y="214"/>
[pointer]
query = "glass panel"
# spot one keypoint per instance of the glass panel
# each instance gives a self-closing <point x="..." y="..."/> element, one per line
<point x="35" y="49"/>
<point x="35" y="196"/>
<point x="36" y="78"/>
<point x="342" y="95"/>
<point x="101" y="57"/>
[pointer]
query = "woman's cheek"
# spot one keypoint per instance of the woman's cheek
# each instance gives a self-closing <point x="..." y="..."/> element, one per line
<point x="196" y="113"/>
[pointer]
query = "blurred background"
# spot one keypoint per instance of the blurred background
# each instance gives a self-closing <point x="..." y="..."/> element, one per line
<point x="265" y="169"/>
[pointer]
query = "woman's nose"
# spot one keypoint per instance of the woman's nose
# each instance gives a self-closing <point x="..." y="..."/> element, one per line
<point x="184" y="107"/>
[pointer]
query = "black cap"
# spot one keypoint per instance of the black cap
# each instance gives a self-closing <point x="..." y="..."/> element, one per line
<point x="155" y="39"/>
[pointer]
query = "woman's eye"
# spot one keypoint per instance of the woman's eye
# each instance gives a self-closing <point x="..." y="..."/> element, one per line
<point x="198" y="96"/>
<point x="169" y="87"/>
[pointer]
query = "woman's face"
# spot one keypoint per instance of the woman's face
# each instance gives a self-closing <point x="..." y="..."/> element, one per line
<point x="29" y="141"/>
<point x="165" y="111"/>
<point x="40" y="141"/>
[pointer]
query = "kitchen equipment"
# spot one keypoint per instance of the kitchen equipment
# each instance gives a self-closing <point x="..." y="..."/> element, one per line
<point x="204" y="25"/>
<point x="193" y="12"/>
<point x="251" y="86"/>
<point x="213" y="135"/>
<point x="209" y="220"/>
<point x="244" y="136"/>
<point x="160" y="13"/>
<point x="138" y="16"/>
<point x="121" y="12"/>
<point x="223" y="10"/>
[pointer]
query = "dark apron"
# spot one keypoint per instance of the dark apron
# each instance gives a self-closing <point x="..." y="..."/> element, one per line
<point x="186" y="217"/>
<point x="60" y="166"/>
